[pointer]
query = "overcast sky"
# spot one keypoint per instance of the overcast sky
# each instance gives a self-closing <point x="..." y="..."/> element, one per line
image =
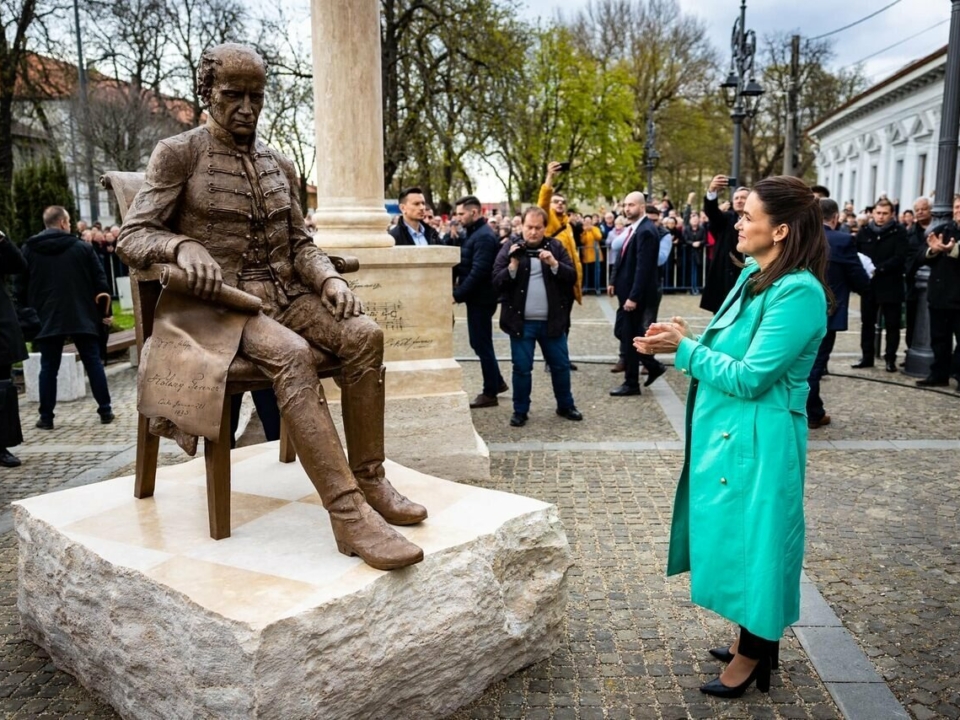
<point x="816" y="17"/>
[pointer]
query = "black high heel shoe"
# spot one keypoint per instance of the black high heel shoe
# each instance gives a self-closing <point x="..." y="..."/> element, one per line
<point x="725" y="656"/>
<point x="761" y="673"/>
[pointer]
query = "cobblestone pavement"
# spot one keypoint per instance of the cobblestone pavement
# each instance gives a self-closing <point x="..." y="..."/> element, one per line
<point x="882" y="542"/>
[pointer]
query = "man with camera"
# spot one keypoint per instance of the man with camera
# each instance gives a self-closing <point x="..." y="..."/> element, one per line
<point x="535" y="278"/>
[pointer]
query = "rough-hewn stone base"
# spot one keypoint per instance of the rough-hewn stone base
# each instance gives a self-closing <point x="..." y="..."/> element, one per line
<point x="135" y="599"/>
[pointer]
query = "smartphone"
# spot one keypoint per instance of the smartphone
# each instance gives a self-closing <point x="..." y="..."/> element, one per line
<point x="732" y="183"/>
<point x="564" y="166"/>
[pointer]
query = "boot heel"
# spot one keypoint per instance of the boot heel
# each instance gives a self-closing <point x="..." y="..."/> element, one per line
<point x="345" y="549"/>
<point x="775" y="657"/>
<point x="763" y="676"/>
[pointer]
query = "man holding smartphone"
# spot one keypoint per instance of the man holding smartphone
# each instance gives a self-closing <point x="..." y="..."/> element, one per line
<point x="723" y="273"/>
<point x="559" y="227"/>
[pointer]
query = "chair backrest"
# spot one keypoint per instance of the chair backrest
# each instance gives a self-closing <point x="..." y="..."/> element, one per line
<point x="125" y="186"/>
<point x="145" y="293"/>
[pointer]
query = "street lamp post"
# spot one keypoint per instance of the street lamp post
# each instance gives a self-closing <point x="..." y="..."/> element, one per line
<point x="651" y="158"/>
<point x="741" y="83"/>
<point x="93" y="192"/>
<point x="920" y="354"/>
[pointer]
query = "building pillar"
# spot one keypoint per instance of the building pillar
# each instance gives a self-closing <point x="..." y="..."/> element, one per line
<point x="406" y="290"/>
<point x="349" y="124"/>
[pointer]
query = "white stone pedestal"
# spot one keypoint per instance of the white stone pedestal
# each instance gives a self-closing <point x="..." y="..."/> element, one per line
<point x="408" y="291"/>
<point x="134" y="598"/>
<point x="71" y="380"/>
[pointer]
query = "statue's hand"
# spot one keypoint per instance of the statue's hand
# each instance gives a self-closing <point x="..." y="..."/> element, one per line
<point x="203" y="273"/>
<point x="340" y="300"/>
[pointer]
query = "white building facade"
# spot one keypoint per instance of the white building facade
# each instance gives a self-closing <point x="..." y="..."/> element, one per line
<point x="885" y="140"/>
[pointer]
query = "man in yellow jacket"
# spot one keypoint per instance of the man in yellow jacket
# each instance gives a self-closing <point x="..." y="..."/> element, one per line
<point x="558" y="227"/>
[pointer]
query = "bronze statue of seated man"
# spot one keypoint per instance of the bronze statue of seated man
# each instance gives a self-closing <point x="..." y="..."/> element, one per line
<point x="223" y="206"/>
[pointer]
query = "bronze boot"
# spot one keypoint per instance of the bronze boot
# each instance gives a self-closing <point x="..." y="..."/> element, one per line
<point x="357" y="529"/>
<point x="363" y="406"/>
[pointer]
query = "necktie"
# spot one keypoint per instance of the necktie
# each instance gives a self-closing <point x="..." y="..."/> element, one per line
<point x="623" y="250"/>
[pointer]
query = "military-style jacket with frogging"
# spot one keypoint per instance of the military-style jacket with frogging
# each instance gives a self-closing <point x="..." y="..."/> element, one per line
<point x="242" y="206"/>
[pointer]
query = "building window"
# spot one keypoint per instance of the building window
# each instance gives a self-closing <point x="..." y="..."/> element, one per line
<point x="854" y="190"/>
<point x="922" y="175"/>
<point x="839" y="190"/>
<point x="873" y="184"/>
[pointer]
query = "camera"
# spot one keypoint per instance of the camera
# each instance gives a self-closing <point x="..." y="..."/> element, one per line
<point x="732" y="183"/>
<point x="528" y="250"/>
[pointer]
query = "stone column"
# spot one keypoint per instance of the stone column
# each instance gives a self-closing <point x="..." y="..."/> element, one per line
<point x="349" y="124"/>
<point x="407" y="290"/>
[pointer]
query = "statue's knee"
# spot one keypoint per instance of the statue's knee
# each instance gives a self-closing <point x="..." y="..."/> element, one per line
<point x="298" y="357"/>
<point x="366" y="337"/>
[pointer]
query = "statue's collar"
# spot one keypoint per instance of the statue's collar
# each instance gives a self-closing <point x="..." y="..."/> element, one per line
<point x="215" y="129"/>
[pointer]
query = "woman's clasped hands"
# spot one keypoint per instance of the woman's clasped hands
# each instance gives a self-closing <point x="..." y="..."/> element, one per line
<point x="663" y="337"/>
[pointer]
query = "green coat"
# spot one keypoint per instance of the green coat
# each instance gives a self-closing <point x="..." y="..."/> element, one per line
<point x="738" y="514"/>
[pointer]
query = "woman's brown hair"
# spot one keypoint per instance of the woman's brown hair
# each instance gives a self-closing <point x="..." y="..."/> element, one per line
<point x="789" y="201"/>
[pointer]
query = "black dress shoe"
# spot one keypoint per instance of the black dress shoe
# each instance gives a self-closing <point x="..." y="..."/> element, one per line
<point x="518" y="419"/>
<point x="625" y="390"/>
<point x="8" y="459"/>
<point x="570" y="413"/>
<point x="573" y="367"/>
<point x="618" y="368"/>
<point x="761" y="673"/>
<point x="724" y="655"/>
<point x="862" y="364"/>
<point x="932" y="382"/>
<point x="891" y="365"/>
<point x="106" y="418"/>
<point x="654" y="374"/>
<point x="45" y="424"/>
<point x="503" y="387"/>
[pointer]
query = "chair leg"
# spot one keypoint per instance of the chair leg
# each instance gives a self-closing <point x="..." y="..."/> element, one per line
<point x="148" y="449"/>
<point x="288" y="453"/>
<point x="216" y="456"/>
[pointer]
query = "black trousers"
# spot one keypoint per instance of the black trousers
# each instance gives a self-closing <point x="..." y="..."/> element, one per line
<point x="945" y="343"/>
<point x="267" y="410"/>
<point x="815" y="411"/>
<point x="631" y="325"/>
<point x="871" y="311"/>
<point x="753" y="646"/>
<point x="11" y="434"/>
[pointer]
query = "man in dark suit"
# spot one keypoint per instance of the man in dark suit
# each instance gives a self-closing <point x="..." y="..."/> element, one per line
<point x="413" y="228"/>
<point x="473" y="285"/>
<point x="634" y="282"/>
<point x="844" y="273"/>
<point x="722" y="273"/>
<point x="885" y="242"/>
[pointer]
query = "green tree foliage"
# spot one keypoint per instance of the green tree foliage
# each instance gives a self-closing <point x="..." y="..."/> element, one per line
<point x="36" y="187"/>
<point x="564" y="105"/>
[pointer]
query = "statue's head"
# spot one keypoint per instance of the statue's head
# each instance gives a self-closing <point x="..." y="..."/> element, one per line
<point x="230" y="81"/>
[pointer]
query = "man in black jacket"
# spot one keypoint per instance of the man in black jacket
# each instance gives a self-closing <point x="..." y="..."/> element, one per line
<point x="884" y="241"/>
<point x="722" y="273"/>
<point x="473" y="285"/>
<point x="413" y="228"/>
<point x="63" y="278"/>
<point x="844" y="273"/>
<point x="943" y="296"/>
<point x="535" y="277"/>
<point x="635" y="283"/>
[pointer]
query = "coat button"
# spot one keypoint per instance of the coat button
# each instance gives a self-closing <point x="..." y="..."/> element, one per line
<point x="683" y="371"/>
<point x="726" y="436"/>
<point x="723" y="481"/>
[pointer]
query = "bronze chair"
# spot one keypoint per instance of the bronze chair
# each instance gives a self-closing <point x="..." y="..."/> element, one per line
<point x="243" y="376"/>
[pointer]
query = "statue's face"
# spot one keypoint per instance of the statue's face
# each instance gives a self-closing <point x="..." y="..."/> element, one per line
<point x="237" y="97"/>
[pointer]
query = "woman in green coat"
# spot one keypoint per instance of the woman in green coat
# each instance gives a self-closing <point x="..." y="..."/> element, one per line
<point x="738" y="515"/>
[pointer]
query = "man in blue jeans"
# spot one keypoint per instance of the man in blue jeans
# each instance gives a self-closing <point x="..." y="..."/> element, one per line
<point x="535" y="279"/>
<point x="473" y="286"/>
<point x="63" y="278"/>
